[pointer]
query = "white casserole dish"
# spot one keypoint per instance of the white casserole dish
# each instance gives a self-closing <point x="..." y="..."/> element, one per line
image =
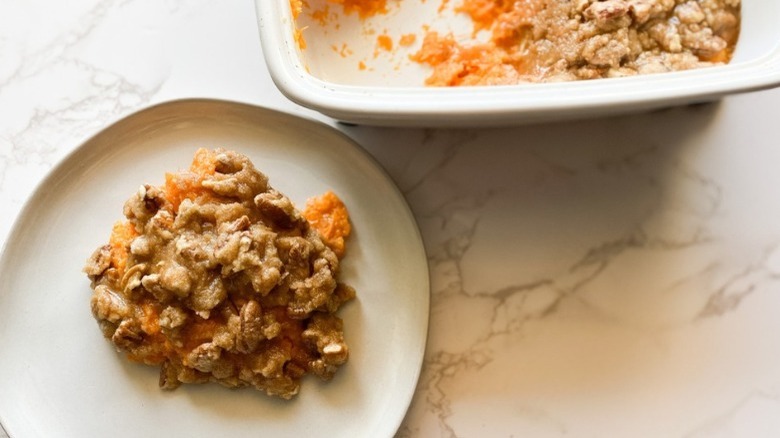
<point x="325" y="76"/>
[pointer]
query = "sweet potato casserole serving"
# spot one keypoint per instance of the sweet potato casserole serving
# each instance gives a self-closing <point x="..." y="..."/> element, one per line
<point x="215" y="276"/>
<point x="520" y="41"/>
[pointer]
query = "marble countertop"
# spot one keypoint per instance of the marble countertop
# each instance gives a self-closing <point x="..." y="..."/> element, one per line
<point x="615" y="277"/>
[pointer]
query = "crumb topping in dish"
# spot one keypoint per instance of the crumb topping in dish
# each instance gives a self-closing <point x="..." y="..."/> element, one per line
<point x="555" y="40"/>
<point x="215" y="276"/>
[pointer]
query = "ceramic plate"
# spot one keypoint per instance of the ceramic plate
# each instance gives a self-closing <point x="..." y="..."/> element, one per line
<point x="60" y="377"/>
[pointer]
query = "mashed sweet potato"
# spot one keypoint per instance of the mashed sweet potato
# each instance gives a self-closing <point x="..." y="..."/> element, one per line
<point x="328" y="215"/>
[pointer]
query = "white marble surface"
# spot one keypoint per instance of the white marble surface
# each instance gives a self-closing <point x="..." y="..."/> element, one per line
<point x="617" y="277"/>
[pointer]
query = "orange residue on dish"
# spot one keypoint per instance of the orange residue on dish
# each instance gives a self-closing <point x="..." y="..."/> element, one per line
<point x="361" y="65"/>
<point x="321" y="15"/>
<point x="364" y="8"/>
<point x="187" y="185"/>
<point x="296" y="6"/>
<point x="384" y="42"/>
<point x="328" y="215"/>
<point x="343" y="51"/>
<point x="121" y="235"/>
<point x="298" y="36"/>
<point x="407" y="40"/>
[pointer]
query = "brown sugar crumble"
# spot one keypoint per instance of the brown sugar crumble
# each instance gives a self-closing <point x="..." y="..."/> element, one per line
<point x="216" y="277"/>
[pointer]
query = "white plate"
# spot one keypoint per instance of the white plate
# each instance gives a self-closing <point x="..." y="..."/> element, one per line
<point x="60" y="377"/>
<point x="391" y="92"/>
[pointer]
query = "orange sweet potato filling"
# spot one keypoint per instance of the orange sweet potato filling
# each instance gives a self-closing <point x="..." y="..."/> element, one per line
<point x="182" y="185"/>
<point x="328" y="215"/>
<point x="121" y="235"/>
